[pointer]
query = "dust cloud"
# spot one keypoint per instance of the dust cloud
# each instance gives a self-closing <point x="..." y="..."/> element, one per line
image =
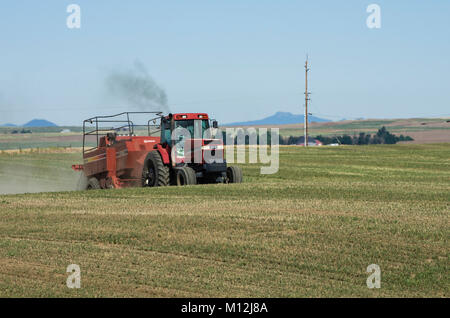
<point x="31" y="176"/>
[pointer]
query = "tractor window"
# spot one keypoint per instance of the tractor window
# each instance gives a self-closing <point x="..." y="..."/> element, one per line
<point x="195" y="127"/>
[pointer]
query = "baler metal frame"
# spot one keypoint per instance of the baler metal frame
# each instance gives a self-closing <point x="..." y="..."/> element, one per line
<point x="101" y="131"/>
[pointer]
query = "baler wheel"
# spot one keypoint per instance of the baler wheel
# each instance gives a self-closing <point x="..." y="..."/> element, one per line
<point x="93" y="184"/>
<point x="155" y="173"/>
<point x="234" y="174"/>
<point x="186" y="176"/>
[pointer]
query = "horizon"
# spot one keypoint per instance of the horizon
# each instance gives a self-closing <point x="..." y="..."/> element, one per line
<point x="236" y="60"/>
<point x="5" y="125"/>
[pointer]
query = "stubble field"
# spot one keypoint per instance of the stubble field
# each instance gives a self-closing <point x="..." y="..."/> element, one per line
<point x="310" y="230"/>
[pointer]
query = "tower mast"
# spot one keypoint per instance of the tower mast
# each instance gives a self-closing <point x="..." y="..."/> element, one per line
<point x="306" y="102"/>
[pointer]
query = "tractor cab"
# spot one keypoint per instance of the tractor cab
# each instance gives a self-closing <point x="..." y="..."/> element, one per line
<point x="189" y="139"/>
<point x="196" y="124"/>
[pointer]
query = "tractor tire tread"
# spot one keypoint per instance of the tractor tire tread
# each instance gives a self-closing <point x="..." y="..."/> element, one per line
<point x="192" y="175"/>
<point x="189" y="175"/>
<point x="162" y="171"/>
<point x="236" y="173"/>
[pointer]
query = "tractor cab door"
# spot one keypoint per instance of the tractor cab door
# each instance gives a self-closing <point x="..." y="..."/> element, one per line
<point x="166" y="132"/>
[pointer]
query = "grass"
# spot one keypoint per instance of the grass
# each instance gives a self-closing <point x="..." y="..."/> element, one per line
<point x="310" y="230"/>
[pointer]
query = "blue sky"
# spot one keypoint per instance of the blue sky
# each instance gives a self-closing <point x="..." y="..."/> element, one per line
<point x="236" y="59"/>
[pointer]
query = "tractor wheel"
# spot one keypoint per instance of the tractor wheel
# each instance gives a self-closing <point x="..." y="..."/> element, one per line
<point x="185" y="176"/>
<point x="192" y="174"/>
<point x="234" y="174"/>
<point x="154" y="173"/>
<point x="93" y="184"/>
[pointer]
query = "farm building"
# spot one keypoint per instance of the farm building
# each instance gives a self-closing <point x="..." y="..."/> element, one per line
<point x="311" y="141"/>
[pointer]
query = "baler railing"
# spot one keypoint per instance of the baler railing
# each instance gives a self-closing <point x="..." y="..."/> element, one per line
<point x="127" y="123"/>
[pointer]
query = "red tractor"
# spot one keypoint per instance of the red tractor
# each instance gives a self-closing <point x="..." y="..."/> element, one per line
<point x="121" y="158"/>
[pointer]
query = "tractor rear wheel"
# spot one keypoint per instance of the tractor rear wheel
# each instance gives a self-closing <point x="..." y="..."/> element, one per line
<point x="154" y="172"/>
<point x="185" y="176"/>
<point x="234" y="174"/>
<point x="93" y="184"/>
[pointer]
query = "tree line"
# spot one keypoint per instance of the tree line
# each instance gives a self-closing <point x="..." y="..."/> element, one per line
<point x="383" y="136"/>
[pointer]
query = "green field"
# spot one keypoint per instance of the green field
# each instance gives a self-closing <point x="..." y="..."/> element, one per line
<point x="310" y="230"/>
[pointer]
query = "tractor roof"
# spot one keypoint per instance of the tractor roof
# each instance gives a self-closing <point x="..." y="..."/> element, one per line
<point x="186" y="116"/>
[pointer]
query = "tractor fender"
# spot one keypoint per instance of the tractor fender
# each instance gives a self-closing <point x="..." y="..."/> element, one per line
<point x="164" y="154"/>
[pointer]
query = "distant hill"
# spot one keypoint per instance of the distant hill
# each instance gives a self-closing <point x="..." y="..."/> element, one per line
<point x="40" y="123"/>
<point x="279" y="118"/>
<point x="8" y="125"/>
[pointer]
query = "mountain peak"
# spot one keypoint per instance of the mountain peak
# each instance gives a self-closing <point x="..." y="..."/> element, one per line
<point x="283" y="114"/>
<point x="39" y="123"/>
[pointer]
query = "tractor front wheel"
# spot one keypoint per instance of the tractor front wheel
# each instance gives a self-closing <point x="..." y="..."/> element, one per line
<point x="185" y="176"/>
<point x="234" y="174"/>
<point x="154" y="172"/>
